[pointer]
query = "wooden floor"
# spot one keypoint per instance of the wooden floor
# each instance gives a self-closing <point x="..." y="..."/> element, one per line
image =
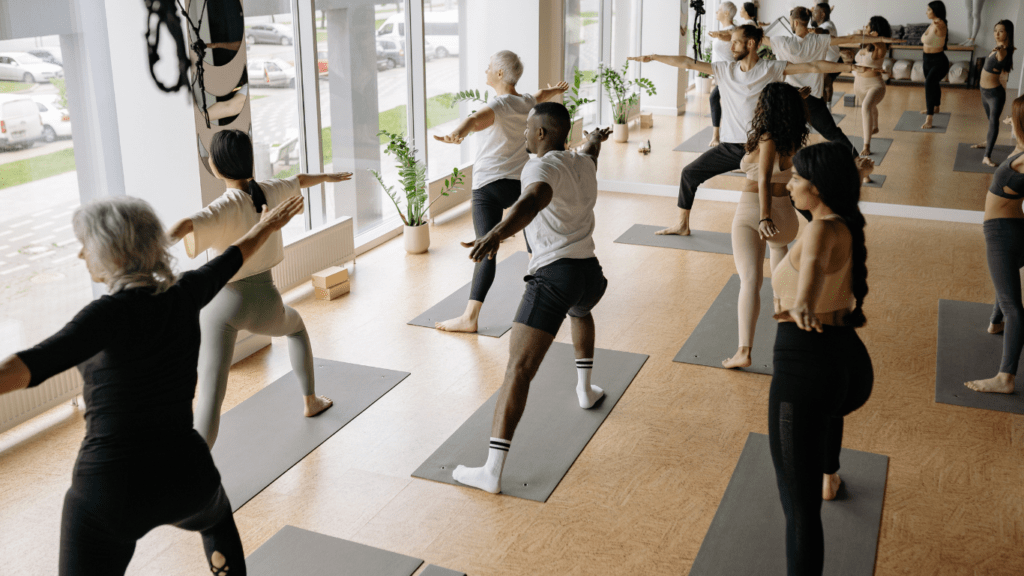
<point x="641" y="496"/>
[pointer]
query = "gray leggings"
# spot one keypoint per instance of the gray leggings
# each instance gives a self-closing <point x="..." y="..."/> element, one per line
<point x="255" y="305"/>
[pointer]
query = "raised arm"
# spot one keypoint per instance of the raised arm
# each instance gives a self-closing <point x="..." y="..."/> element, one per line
<point x="308" y="180"/>
<point x="683" y="62"/>
<point x="535" y="198"/>
<point x="592" y="147"/>
<point x="270" y="221"/>
<point x="872" y="38"/>
<point x="819" y="67"/>
<point x="551" y="92"/>
<point x="482" y="119"/>
<point x="721" y="34"/>
<point x="180" y="229"/>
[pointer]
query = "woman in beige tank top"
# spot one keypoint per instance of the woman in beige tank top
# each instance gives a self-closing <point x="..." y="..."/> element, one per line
<point x="868" y="84"/>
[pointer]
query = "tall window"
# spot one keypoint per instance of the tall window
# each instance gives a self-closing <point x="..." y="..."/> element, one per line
<point x="583" y="51"/>
<point x="444" y="40"/>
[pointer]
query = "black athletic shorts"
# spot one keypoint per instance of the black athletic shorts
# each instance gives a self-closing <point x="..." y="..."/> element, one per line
<point x="567" y="286"/>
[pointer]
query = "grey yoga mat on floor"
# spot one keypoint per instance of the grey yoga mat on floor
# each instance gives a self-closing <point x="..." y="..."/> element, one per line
<point x="697" y="143"/>
<point x="911" y="122"/>
<point x="697" y="241"/>
<point x="433" y="570"/>
<point x="554" y="429"/>
<point x="296" y="551"/>
<point x="265" y="435"/>
<point x="500" y="306"/>
<point x="969" y="159"/>
<point x="837" y="97"/>
<point x="877" y="181"/>
<point x="837" y="118"/>
<point x="748" y="534"/>
<point x="968" y="352"/>
<point x="879" y="147"/>
<point x="716" y="336"/>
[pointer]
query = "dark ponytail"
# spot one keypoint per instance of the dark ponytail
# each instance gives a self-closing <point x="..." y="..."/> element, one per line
<point x="833" y="172"/>
<point x="939" y="9"/>
<point x="231" y="153"/>
<point x="751" y="9"/>
<point x="1010" y="48"/>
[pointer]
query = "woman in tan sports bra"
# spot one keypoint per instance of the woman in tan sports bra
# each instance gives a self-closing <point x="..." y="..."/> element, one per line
<point x="765" y="214"/>
<point x="869" y="84"/>
<point x="936" y="64"/>
<point x="822" y="371"/>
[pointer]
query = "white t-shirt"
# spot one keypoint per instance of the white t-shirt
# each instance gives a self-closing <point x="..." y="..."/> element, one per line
<point x="833" y="51"/>
<point x="800" y="50"/>
<point x="230" y="216"/>
<point x="502" y="152"/>
<point x="721" y="50"/>
<point x="565" y="227"/>
<point x="740" y="91"/>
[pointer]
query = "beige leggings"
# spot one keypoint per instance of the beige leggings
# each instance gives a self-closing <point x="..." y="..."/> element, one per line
<point x="748" y="252"/>
<point x="870" y="92"/>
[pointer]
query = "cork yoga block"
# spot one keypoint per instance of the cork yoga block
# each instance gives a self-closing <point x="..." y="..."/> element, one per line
<point x="332" y="292"/>
<point x="330" y="277"/>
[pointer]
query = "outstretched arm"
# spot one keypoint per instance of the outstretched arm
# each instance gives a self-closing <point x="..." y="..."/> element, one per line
<point x="551" y="92"/>
<point x="534" y="199"/>
<point x="475" y="122"/>
<point x="180" y="229"/>
<point x="683" y="62"/>
<point x="592" y="147"/>
<point x="819" y="67"/>
<point x="721" y="34"/>
<point x="14" y="374"/>
<point x="872" y="38"/>
<point x="308" y="180"/>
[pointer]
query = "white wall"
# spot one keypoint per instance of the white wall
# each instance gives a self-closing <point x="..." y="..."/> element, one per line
<point x="660" y="35"/>
<point x="494" y="26"/>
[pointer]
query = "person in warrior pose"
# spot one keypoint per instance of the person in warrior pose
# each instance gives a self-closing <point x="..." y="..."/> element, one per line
<point x="741" y="82"/>
<point x="498" y="165"/>
<point x="823" y="24"/>
<point x="974" y="9"/>
<point x="936" y="64"/>
<point x="822" y="370"/>
<point x="748" y="14"/>
<point x="993" y="85"/>
<point x="141" y="464"/>
<point x="1004" y="242"/>
<point x="721" y="51"/>
<point x="564" y="277"/>
<point x="250" y="301"/>
<point x="868" y="84"/>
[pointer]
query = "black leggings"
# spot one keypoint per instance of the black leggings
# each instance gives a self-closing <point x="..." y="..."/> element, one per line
<point x="716" y="108"/>
<point x="105" y="513"/>
<point x="488" y="204"/>
<point x="936" y="66"/>
<point x="993" y="99"/>
<point x="818" y="379"/>
<point x="1004" y="246"/>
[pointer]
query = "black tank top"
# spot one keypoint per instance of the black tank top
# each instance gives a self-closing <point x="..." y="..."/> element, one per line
<point x="1007" y="177"/>
<point x="994" y="65"/>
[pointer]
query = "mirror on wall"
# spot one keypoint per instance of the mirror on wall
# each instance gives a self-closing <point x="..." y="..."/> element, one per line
<point x="221" y="27"/>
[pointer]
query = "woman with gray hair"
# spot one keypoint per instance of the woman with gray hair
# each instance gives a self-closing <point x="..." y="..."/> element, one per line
<point x="721" y="51"/>
<point x="499" y="163"/>
<point x="141" y="464"/>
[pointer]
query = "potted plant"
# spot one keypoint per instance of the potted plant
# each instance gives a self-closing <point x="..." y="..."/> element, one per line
<point x="573" y="103"/>
<point x="624" y="94"/>
<point x="412" y="179"/>
<point x="704" y="80"/>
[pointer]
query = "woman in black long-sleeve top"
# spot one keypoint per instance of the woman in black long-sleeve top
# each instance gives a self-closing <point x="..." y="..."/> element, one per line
<point x="141" y="464"/>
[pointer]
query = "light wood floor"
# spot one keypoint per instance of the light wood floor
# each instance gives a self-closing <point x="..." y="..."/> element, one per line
<point x="918" y="167"/>
<point x="641" y="496"/>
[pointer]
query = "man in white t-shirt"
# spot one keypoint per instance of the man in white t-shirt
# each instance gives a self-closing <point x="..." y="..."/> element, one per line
<point x="822" y="24"/>
<point x="740" y="82"/>
<point x="556" y="210"/>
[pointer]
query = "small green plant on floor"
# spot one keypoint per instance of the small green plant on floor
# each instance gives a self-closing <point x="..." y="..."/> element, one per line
<point x="572" y="99"/>
<point x="412" y="181"/>
<point x="623" y="93"/>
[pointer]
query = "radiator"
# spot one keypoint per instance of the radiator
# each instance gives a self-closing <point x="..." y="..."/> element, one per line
<point x="20" y="406"/>
<point x="454" y="198"/>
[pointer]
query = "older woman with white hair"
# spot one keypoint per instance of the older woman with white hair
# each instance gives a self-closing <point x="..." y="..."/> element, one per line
<point x="721" y="51"/>
<point x="499" y="163"/>
<point x="141" y="464"/>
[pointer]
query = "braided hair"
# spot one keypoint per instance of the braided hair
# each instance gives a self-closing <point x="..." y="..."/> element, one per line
<point x="939" y="9"/>
<point x="231" y="153"/>
<point x="833" y="172"/>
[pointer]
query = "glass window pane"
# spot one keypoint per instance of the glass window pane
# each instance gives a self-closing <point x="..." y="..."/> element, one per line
<point x="583" y="51"/>
<point x="444" y="56"/>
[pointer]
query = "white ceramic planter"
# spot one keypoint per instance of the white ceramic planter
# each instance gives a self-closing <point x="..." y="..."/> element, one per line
<point x="417" y="239"/>
<point x="621" y="133"/>
<point x="704" y="85"/>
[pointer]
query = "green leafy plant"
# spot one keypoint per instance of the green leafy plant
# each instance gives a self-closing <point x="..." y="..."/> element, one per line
<point x="412" y="181"/>
<point x="465" y="95"/>
<point x="623" y="93"/>
<point x="765" y="53"/>
<point x="572" y="100"/>
<point x="706" y="58"/>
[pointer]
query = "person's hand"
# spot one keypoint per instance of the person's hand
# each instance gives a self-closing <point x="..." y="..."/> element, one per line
<point x="483" y="247"/>
<point x="1008" y="121"/>
<point x="337" y="177"/>
<point x="601" y="134"/>
<point x="644" y="58"/>
<point x="865" y="166"/>
<point x="282" y="213"/>
<point x="860" y="68"/>
<point x="805" y="92"/>
<point x="453" y="138"/>
<point x="766" y="229"/>
<point x="805" y="319"/>
<point x="561" y="86"/>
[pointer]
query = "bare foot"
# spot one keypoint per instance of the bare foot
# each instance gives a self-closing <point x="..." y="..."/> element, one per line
<point x="713" y="143"/>
<point x="995" y="328"/>
<point x="460" y="324"/>
<point x="740" y="360"/>
<point x="927" y="124"/>
<point x="866" y="180"/>
<point x="1001" y="384"/>
<point x="316" y="404"/>
<point x="866" y="151"/>
<point x="830" y="486"/>
<point x="680" y="229"/>
<point x="980" y="146"/>
<point x="988" y="162"/>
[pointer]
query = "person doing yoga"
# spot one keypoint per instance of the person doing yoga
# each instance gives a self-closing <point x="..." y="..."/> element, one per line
<point x="764" y="213"/>
<point x="822" y="371"/>
<point x="993" y="85"/>
<point x="249" y="301"/>
<point x="141" y="464"/>
<point x="741" y="82"/>
<point x="936" y="64"/>
<point x="868" y="84"/>
<point x="499" y="162"/>
<point x="564" y="277"/>
<point x="1004" y="244"/>
<point x="721" y="51"/>
<point x="748" y="14"/>
<point x="823" y="24"/>
<point x="974" y="10"/>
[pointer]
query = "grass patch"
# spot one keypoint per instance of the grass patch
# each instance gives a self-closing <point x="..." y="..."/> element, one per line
<point x="589" y="14"/>
<point x="258" y="97"/>
<point x="321" y="36"/>
<point x="589" y="21"/>
<point x="8" y="87"/>
<point x="31" y="169"/>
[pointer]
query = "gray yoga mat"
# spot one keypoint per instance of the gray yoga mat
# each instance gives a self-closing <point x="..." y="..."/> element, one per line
<point x="716" y="336"/>
<point x="433" y="570"/>
<point x="296" y="551"/>
<point x="837" y="97"/>
<point x="697" y="241"/>
<point x="554" y="429"/>
<point x="264" y="436"/>
<point x="748" y="534"/>
<point x="877" y="181"/>
<point x="697" y="143"/>
<point x="500" y="306"/>
<point x="911" y="122"/>
<point x="969" y="159"/>
<point x="835" y="117"/>
<point x="879" y="147"/>
<point x="968" y="352"/>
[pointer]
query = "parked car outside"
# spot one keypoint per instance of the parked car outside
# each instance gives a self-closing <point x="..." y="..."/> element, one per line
<point x="389" y="55"/>
<point x="272" y="72"/>
<point x="56" y="120"/>
<point x="48" y="54"/>
<point x="24" y="67"/>
<point x="269" y="34"/>
<point x="20" y="122"/>
<point x="321" y="62"/>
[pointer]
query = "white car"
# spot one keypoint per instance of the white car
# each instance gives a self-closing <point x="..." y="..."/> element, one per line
<point x="56" y="120"/>
<point x="273" y="72"/>
<point x="20" y="122"/>
<point x="24" y="67"/>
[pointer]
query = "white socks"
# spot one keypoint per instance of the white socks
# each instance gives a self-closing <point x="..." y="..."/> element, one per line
<point x="588" y="395"/>
<point x="487" y="477"/>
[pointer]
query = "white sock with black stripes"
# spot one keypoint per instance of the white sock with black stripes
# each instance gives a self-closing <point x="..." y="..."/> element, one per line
<point x="487" y="477"/>
<point x="588" y="394"/>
